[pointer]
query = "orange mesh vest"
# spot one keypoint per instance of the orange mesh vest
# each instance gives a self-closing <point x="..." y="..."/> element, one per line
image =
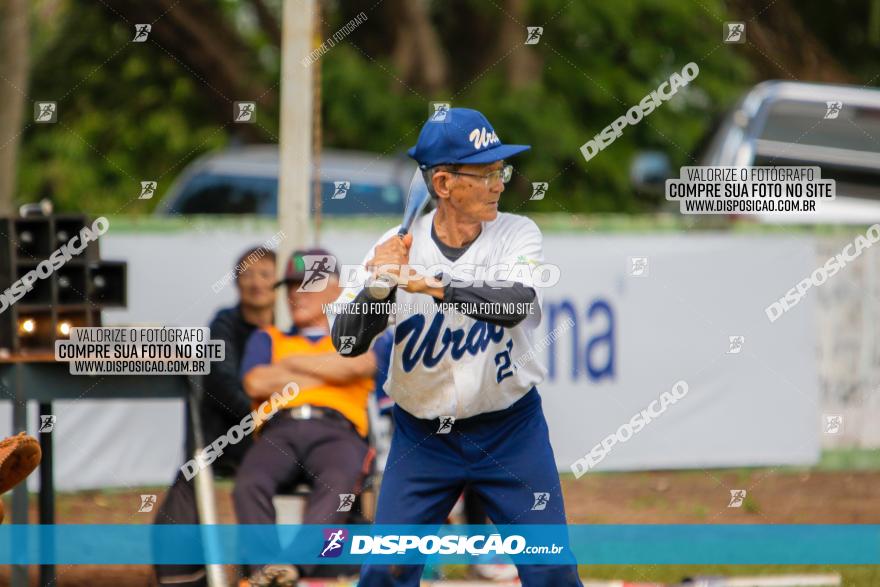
<point x="350" y="399"/>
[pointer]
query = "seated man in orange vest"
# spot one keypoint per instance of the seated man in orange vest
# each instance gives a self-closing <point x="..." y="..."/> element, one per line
<point x="319" y="437"/>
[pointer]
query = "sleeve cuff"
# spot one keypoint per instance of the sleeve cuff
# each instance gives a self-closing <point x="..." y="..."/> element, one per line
<point x="368" y="298"/>
<point x="448" y="290"/>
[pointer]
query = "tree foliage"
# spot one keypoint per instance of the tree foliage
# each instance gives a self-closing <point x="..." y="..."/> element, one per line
<point x="141" y="111"/>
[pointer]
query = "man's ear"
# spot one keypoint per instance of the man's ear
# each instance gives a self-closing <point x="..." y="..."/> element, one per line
<point x="440" y="182"/>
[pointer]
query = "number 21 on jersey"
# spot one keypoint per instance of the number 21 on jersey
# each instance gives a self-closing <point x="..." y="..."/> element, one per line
<point x="502" y="361"/>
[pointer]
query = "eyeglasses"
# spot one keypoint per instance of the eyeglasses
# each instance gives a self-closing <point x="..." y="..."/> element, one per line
<point x="504" y="174"/>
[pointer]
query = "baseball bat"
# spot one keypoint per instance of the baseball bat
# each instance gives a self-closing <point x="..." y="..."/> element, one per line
<point x="418" y="196"/>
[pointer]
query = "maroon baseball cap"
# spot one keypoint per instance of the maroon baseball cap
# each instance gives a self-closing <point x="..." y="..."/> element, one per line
<point x="305" y="263"/>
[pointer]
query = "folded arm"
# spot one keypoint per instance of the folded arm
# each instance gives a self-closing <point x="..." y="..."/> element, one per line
<point x="264" y="380"/>
<point x="331" y="367"/>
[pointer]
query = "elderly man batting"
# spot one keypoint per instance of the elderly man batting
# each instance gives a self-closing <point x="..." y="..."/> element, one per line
<point x="467" y="411"/>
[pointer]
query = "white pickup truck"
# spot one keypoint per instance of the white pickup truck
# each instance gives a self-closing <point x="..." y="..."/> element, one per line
<point x="781" y="123"/>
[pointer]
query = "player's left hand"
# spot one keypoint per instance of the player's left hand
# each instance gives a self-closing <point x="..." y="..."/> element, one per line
<point x="418" y="283"/>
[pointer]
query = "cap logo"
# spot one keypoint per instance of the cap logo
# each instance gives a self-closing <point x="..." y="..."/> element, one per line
<point x="480" y="138"/>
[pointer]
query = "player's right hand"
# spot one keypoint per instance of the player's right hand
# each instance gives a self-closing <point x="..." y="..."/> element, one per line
<point x="390" y="256"/>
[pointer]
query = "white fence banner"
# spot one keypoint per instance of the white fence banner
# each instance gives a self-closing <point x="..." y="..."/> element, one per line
<point x="648" y="311"/>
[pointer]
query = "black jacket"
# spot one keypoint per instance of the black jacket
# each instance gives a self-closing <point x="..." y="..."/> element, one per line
<point x="225" y="402"/>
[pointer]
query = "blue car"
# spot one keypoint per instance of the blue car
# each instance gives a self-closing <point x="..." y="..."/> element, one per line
<point x="244" y="180"/>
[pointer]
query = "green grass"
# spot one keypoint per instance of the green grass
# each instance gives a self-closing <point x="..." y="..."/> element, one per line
<point x="647" y="502"/>
<point x="849" y="459"/>
<point x="550" y="223"/>
<point x="750" y="505"/>
<point x="855" y="459"/>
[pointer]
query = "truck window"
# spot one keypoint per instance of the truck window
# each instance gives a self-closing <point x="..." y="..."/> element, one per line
<point x="208" y="193"/>
<point x="847" y="148"/>
<point x="855" y="127"/>
<point x="361" y="199"/>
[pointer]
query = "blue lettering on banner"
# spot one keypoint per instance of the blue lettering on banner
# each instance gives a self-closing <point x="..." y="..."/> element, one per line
<point x="475" y="341"/>
<point x="596" y="356"/>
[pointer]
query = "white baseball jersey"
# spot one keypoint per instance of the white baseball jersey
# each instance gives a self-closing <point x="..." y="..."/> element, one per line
<point x="444" y="363"/>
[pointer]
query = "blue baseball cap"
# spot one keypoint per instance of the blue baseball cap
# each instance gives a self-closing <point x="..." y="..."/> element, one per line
<point x="460" y="135"/>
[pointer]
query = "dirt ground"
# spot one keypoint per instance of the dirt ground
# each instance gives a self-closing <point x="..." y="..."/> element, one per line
<point x="702" y="497"/>
<point x="692" y="497"/>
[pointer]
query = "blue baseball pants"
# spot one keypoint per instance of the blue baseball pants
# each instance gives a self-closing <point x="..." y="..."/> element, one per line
<point x="504" y="456"/>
